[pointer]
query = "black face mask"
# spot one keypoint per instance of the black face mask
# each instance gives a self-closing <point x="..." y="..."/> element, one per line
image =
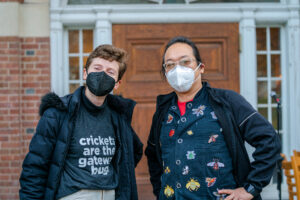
<point x="99" y="83"/>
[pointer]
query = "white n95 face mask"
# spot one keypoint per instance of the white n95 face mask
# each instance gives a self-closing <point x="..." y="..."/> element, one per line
<point x="181" y="78"/>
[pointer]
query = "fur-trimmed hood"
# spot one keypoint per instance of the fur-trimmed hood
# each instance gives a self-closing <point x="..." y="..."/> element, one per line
<point x="69" y="102"/>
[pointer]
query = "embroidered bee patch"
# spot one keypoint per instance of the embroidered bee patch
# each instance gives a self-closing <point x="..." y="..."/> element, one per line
<point x="167" y="170"/>
<point x="190" y="155"/>
<point x="168" y="191"/>
<point x="190" y="132"/>
<point x="192" y="185"/>
<point x="171" y="133"/>
<point x="212" y="138"/>
<point x="215" y="164"/>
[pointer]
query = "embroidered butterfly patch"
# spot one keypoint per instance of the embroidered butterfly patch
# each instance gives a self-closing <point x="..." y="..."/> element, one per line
<point x="170" y="119"/>
<point x="210" y="181"/>
<point x="199" y="111"/>
<point x="213" y="115"/>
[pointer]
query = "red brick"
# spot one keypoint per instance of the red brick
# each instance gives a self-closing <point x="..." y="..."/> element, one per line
<point x="14" y="45"/>
<point x="42" y="53"/>
<point x="45" y="46"/>
<point x="43" y="40"/>
<point x="9" y="39"/>
<point x="3" y="58"/>
<point x="29" y="46"/>
<point x="30" y="59"/>
<point x="3" y="45"/>
<point x="14" y="59"/>
<point x="28" y="40"/>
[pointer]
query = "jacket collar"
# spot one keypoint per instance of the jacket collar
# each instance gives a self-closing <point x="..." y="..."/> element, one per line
<point x="72" y="102"/>
<point x="163" y="99"/>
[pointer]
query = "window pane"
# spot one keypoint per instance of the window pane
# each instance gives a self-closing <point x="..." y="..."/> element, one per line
<point x="73" y="87"/>
<point x="261" y="39"/>
<point x="263" y="112"/>
<point x="276" y="87"/>
<point x="262" y="92"/>
<point x="275" y="119"/>
<point x="275" y="38"/>
<point x="262" y="65"/>
<point x="275" y="66"/>
<point x="84" y="60"/>
<point x="73" y="41"/>
<point x="87" y="41"/>
<point x="73" y="68"/>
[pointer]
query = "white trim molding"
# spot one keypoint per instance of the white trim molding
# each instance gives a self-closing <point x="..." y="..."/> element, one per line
<point x="293" y="78"/>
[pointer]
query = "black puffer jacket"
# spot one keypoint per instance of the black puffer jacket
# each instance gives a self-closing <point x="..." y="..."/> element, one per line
<point x="44" y="163"/>
<point x="240" y="122"/>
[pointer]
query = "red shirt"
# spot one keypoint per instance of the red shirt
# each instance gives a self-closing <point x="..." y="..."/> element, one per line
<point x="182" y="106"/>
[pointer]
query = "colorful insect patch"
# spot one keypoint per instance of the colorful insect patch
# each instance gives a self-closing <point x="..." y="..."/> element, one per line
<point x="192" y="185"/>
<point x="185" y="170"/>
<point x="215" y="164"/>
<point x="167" y="170"/>
<point x="219" y="196"/>
<point x="213" y="115"/>
<point x="168" y="191"/>
<point x="170" y="119"/>
<point x="190" y="132"/>
<point x="190" y="155"/>
<point x="210" y="181"/>
<point x="199" y="111"/>
<point x="212" y="138"/>
<point x="171" y="133"/>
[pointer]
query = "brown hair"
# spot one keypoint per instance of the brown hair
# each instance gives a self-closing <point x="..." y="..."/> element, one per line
<point x="110" y="53"/>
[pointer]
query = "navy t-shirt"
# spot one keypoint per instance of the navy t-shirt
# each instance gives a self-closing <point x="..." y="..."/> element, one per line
<point x="88" y="163"/>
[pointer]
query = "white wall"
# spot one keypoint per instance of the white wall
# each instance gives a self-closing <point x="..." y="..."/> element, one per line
<point x="30" y="19"/>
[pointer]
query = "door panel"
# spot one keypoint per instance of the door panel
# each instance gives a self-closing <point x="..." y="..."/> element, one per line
<point x="218" y="46"/>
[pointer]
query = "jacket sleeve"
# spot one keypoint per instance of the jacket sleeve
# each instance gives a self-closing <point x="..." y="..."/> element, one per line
<point x="260" y="134"/>
<point x="137" y="148"/>
<point x="34" y="174"/>
<point x="155" y="168"/>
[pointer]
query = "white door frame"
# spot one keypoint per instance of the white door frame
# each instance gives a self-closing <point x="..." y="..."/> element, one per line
<point x="248" y="15"/>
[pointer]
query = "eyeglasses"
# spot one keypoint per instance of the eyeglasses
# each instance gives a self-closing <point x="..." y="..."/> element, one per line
<point x="186" y="62"/>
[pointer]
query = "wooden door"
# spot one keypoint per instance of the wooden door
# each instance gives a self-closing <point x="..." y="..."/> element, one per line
<point x="218" y="44"/>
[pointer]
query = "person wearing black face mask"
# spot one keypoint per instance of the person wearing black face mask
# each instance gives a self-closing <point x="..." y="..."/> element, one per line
<point x="84" y="147"/>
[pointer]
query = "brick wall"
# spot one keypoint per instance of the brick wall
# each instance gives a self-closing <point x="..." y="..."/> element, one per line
<point x="24" y="78"/>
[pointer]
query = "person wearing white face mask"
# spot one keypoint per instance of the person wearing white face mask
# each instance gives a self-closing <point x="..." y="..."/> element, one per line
<point x="195" y="149"/>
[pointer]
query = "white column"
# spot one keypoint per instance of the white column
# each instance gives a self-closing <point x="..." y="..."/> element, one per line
<point x="293" y="79"/>
<point x="56" y="45"/>
<point x="248" y="57"/>
<point x="103" y="29"/>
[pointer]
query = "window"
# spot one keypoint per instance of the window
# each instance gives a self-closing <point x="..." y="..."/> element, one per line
<point x="80" y="44"/>
<point x="269" y="76"/>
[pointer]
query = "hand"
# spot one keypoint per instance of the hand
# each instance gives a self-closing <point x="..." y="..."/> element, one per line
<point x="237" y="194"/>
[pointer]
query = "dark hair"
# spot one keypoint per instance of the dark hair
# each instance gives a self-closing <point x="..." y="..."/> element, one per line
<point x="110" y="53"/>
<point x="185" y="40"/>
